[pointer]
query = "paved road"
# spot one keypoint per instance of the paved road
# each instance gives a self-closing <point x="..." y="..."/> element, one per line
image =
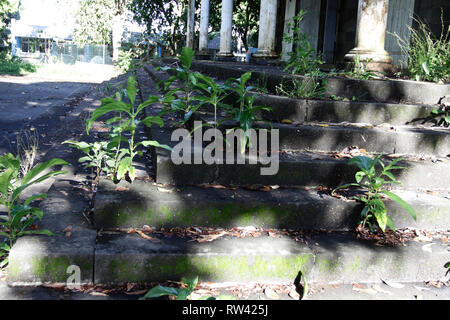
<point x="24" y="100"/>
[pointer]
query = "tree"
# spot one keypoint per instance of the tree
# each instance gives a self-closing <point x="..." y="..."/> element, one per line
<point x="94" y="22"/>
<point x="164" y="19"/>
<point x="120" y="9"/>
<point x="8" y="9"/>
<point x="246" y="18"/>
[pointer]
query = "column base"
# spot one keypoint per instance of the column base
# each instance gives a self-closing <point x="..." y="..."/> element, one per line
<point x="265" y="54"/>
<point x="380" y="61"/>
<point x="203" y="55"/>
<point x="225" y="56"/>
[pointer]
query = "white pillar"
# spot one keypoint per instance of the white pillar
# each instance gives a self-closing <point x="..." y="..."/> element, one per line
<point x="225" y="29"/>
<point x="267" y="28"/>
<point x="204" y="25"/>
<point x="190" y="24"/>
<point x="371" y="33"/>
<point x="289" y="13"/>
<point x="399" y="22"/>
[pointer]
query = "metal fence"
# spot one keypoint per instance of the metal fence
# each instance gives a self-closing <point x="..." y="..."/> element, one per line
<point x="71" y="53"/>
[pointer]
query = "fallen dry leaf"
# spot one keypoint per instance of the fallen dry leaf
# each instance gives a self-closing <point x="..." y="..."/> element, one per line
<point x="120" y="188"/>
<point x="393" y="284"/>
<point x="379" y="289"/>
<point x="146" y="237"/>
<point x="271" y="294"/>
<point x="67" y="229"/>
<point x="137" y="292"/>
<point x="286" y="121"/>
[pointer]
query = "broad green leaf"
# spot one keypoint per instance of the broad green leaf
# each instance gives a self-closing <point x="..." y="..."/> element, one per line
<point x="155" y="143"/>
<point x="40" y="168"/>
<point x="187" y="56"/>
<point x="19" y="190"/>
<point x="123" y="167"/>
<point x="131" y="89"/>
<point x="359" y="176"/>
<point x="117" y="106"/>
<point x="150" y="120"/>
<point x="34" y="197"/>
<point x="363" y="162"/>
<point x="401" y="202"/>
<point x="151" y="100"/>
<point x="5" y="181"/>
<point x="379" y="210"/>
<point x="159" y="291"/>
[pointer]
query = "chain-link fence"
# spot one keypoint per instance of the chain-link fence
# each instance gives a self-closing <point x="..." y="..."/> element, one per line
<point x="71" y="53"/>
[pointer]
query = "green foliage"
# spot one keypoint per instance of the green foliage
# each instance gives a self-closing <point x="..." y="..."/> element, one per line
<point x="125" y="61"/>
<point x="21" y="215"/>
<point x="8" y="9"/>
<point x="428" y="56"/>
<point x="375" y="182"/>
<point x="94" y="22"/>
<point x="447" y="265"/>
<point x="96" y="155"/>
<point x="180" y="294"/>
<point x="359" y="70"/>
<point x="184" y="98"/>
<point x="441" y="116"/>
<point x="244" y="112"/>
<point x="125" y="121"/>
<point x="309" y="88"/>
<point x="15" y="65"/>
<point x="302" y="60"/>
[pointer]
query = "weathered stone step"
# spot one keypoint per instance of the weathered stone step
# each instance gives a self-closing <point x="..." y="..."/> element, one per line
<point x="144" y="203"/>
<point x="391" y="91"/>
<point x="294" y="169"/>
<point x="324" y="258"/>
<point x="334" y="137"/>
<point x="307" y="110"/>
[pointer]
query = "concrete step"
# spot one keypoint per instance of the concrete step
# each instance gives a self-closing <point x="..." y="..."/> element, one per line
<point x="307" y="110"/>
<point x="390" y="91"/>
<point x="321" y="258"/>
<point x="370" y="131"/>
<point x="146" y="203"/>
<point x="295" y="168"/>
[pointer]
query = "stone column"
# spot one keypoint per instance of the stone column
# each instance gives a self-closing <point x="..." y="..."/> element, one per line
<point x="370" y="35"/>
<point x="289" y="13"/>
<point x="225" y="30"/>
<point x="204" y="25"/>
<point x="190" y="24"/>
<point x="267" y="27"/>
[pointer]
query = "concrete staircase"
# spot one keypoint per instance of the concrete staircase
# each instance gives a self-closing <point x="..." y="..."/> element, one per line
<point x="302" y="228"/>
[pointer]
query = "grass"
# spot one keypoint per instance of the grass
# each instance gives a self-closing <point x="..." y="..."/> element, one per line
<point x="428" y="57"/>
<point x="15" y="66"/>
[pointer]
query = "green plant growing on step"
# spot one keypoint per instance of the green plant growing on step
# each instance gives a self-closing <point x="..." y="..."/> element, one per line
<point x="96" y="154"/>
<point x="309" y="88"/>
<point x="4" y="253"/>
<point x="21" y="215"/>
<point x="427" y="56"/>
<point x="125" y="120"/>
<point x="302" y="60"/>
<point x="245" y="111"/>
<point x="374" y="183"/>
<point x="440" y="116"/>
<point x="447" y="266"/>
<point x="184" y="293"/>
<point x="182" y="99"/>
<point x="213" y="95"/>
<point x="359" y="70"/>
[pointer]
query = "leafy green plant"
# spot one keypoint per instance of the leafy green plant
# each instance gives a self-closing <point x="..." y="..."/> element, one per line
<point x="309" y="88"/>
<point x="447" y="266"/>
<point x="359" y="70"/>
<point x="213" y="95"/>
<point x="374" y="182"/>
<point x="180" y="294"/>
<point x="302" y="60"/>
<point x="126" y="120"/>
<point x="441" y="116"/>
<point x="15" y="66"/>
<point x="96" y="154"/>
<point x="21" y="215"/>
<point x="182" y="99"/>
<point x="428" y="57"/>
<point x="245" y="111"/>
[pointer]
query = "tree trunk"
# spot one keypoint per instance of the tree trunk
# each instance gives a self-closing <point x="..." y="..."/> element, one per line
<point x="117" y="32"/>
